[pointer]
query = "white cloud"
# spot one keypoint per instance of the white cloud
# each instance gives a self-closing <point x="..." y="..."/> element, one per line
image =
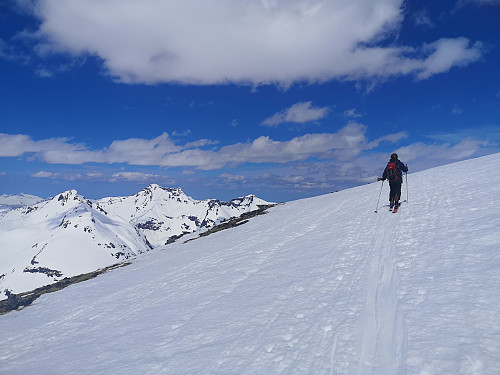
<point x="162" y="151"/>
<point x="44" y="73"/>
<point x="137" y="151"/>
<point x="462" y="3"/>
<point x="447" y="53"/>
<point x="24" y="6"/>
<point x="19" y="144"/>
<point x="182" y="133"/>
<point x="44" y="174"/>
<point x="318" y="176"/>
<point x="293" y="179"/>
<point x="445" y="152"/>
<point x="242" y="41"/>
<point x="298" y="113"/>
<point x="422" y="19"/>
<point x="134" y="177"/>
<point x="351" y="113"/>
<point x="95" y="175"/>
<point x="99" y="176"/>
<point x="347" y="143"/>
<point x="393" y="138"/>
<point x="59" y="176"/>
<point x="232" y="177"/>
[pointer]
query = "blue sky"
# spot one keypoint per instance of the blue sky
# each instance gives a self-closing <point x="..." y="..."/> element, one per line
<point x="283" y="99"/>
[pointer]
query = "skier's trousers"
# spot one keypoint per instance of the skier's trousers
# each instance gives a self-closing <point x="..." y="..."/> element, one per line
<point x="395" y="193"/>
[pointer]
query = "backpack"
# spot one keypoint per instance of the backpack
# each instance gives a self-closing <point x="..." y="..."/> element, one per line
<point x="393" y="171"/>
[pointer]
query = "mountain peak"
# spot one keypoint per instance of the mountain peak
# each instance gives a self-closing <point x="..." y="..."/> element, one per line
<point x="67" y="196"/>
<point x="156" y="187"/>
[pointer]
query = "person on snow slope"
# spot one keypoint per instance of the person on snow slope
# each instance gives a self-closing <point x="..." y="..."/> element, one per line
<point x="394" y="173"/>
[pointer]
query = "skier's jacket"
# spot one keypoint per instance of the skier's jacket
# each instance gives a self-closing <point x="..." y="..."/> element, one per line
<point x="400" y="167"/>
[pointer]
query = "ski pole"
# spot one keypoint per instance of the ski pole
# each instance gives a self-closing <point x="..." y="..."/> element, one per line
<point x="379" y="194"/>
<point x="406" y="187"/>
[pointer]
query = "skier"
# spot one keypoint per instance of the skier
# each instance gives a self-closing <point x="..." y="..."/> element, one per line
<point x="394" y="173"/>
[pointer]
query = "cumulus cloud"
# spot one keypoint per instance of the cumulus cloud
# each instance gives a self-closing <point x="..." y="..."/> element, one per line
<point x="19" y="144"/>
<point x="137" y="151"/>
<point x="243" y="41"/>
<point x="445" y="152"/>
<point x="447" y="53"/>
<point x="99" y="176"/>
<point x="298" y="113"/>
<point x="346" y="143"/>
<point x="60" y="176"/>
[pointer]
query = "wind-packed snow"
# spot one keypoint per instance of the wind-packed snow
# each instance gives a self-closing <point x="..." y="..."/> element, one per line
<point x="316" y="286"/>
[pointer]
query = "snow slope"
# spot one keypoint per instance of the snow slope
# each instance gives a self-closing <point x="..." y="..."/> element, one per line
<point x="316" y="286"/>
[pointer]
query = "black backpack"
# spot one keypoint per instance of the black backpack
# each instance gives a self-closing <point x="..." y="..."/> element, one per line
<point x="393" y="171"/>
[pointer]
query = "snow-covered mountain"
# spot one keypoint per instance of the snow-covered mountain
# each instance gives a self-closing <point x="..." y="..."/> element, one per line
<point x="9" y="202"/>
<point x="163" y="213"/>
<point x="70" y="235"/>
<point x="316" y="286"/>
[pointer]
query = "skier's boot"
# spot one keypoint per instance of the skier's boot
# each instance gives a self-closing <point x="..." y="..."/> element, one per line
<point x="391" y="204"/>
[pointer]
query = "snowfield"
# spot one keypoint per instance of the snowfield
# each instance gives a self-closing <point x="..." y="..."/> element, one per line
<point x="315" y="286"/>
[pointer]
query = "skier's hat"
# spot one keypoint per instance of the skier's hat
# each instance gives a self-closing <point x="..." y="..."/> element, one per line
<point x="394" y="156"/>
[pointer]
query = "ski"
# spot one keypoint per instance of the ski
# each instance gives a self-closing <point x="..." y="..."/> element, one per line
<point x="395" y="209"/>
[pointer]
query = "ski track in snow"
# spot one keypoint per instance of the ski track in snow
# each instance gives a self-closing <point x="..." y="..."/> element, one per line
<point x="317" y="286"/>
<point x="384" y="336"/>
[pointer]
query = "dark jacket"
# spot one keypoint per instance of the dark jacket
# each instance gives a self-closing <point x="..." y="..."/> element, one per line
<point x="402" y="168"/>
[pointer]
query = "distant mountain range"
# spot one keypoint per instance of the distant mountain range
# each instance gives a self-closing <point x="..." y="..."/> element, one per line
<point x="8" y="202"/>
<point x="47" y="240"/>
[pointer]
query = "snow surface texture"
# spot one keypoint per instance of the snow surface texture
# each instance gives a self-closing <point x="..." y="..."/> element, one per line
<point x="316" y="286"/>
<point x="69" y="235"/>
